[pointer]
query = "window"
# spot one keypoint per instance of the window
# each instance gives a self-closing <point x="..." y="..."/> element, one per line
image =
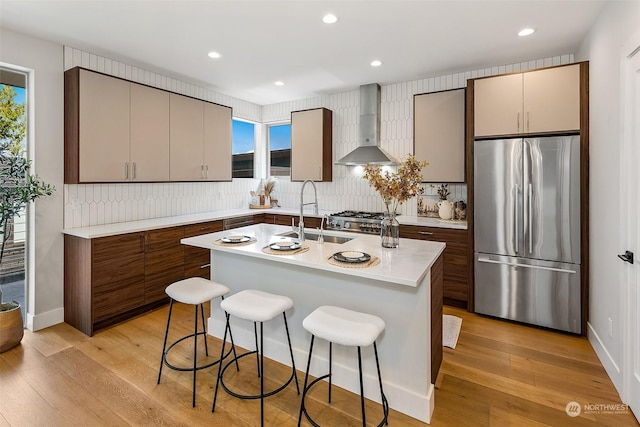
<point x="280" y="149"/>
<point x="13" y="98"/>
<point x="242" y="148"/>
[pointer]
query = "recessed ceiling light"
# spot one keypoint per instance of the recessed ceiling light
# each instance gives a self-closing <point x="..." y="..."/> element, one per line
<point x="526" y="32"/>
<point x="214" y="55"/>
<point x="279" y="83"/>
<point x="376" y="63"/>
<point x="329" y="19"/>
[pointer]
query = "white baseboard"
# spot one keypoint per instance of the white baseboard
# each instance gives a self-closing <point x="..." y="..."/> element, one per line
<point x="610" y="365"/>
<point x="44" y="320"/>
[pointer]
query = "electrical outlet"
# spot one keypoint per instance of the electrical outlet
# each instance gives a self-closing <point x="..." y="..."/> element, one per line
<point x="610" y="328"/>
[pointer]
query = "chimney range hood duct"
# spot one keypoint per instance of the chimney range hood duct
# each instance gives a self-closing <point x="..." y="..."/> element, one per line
<point x="368" y="150"/>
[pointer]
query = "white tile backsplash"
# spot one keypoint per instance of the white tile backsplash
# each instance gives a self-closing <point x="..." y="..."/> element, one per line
<point x="97" y="204"/>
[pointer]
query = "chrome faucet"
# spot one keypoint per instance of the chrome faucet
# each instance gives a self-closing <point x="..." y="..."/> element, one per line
<point x="303" y="204"/>
<point x="321" y="236"/>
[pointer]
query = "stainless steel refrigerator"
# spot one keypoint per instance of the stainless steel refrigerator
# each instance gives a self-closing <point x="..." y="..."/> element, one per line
<point x="527" y="230"/>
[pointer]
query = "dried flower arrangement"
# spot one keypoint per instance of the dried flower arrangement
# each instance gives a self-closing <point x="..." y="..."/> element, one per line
<point x="443" y="191"/>
<point x="396" y="188"/>
<point x="269" y="186"/>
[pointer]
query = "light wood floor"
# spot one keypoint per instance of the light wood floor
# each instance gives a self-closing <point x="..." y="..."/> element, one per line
<point x="500" y="374"/>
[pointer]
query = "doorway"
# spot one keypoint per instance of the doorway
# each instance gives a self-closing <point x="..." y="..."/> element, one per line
<point x="13" y="99"/>
<point x="630" y="177"/>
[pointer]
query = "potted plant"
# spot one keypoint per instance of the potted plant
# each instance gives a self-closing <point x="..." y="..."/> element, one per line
<point x="17" y="189"/>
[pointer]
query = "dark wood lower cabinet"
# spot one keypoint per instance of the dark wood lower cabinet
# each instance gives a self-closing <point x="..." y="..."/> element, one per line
<point x="163" y="262"/>
<point x="456" y="268"/>
<point x="104" y="280"/>
<point x="197" y="261"/>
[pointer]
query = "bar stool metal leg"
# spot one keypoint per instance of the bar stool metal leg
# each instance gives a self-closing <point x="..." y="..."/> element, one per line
<point x="164" y="346"/>
<point x="364" y="418"/>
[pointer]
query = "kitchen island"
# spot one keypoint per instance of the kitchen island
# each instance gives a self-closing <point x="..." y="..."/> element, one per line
<point x="404" y="289"/>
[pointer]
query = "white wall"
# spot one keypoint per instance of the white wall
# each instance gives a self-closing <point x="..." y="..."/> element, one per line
<point x="602" y="47"/>
<point x="45" y="258"/>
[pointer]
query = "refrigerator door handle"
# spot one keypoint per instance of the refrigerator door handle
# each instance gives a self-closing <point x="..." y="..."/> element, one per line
<point x="516" y="264"/>
<point x="530" y="227"/>
<point x="515" y="214"/>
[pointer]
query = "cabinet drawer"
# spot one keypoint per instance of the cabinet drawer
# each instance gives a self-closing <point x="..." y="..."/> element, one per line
<point x="201" y="228"/>
<point x="447" y="235"/>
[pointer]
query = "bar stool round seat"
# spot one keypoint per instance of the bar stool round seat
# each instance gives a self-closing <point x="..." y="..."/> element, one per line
<point x="345" y="327"/>
<point x="193" y="291"/>
<point x="257" y="307"/>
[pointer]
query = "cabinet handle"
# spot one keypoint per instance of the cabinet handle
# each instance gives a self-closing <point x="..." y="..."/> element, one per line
<point x="205" y="266"/>
<point x="205" y="228"/>
<point x="142" y="243"/>
<point x="126" y="170"/>
<point x="518" y="122"/>
<point x="425" y="233"/>
<point x="148" y="241"/>
<point x="134" y="171"/>
<point x="201" y="171"/>
<point x="206" y="171"/>
<point x="528" y="127"/>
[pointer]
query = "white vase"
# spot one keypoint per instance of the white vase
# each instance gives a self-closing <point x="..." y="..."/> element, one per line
<point x="445" y="209"/>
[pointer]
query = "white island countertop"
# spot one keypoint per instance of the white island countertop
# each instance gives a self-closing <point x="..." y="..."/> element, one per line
<point x="399" y="290"/>
<point x="92" y="232"/>
<point x="405" y="265"/>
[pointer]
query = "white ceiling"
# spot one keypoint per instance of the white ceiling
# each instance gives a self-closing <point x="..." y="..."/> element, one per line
<point x="264" y="41"/>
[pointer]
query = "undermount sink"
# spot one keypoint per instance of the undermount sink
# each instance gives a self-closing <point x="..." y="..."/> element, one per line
<point x="314" y="236"/>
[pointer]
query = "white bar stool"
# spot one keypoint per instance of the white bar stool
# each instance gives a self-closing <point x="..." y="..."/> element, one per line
<point x="349" y="328"/>
<point x="258" y="307"/>
<point x="194" y="291"/>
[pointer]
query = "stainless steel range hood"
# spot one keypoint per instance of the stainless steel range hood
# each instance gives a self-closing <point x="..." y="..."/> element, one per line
<point x="369" y="150"/>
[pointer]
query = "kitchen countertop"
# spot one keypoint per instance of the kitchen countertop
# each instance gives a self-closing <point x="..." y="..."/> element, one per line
<point x="405" y="265"/>
<point x="398" y="290"/>
<point x="96" y="231"/>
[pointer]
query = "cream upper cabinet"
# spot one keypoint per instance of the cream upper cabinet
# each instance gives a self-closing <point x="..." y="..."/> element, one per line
<point x="552" y="99"/>
<point x="120" y="131"/>
<point x="498" y="105"/>
<point x="217" y="142"/>
<point x="200" y="140"/>
<point x="149" y="134"/>
<point x="311" y="139"/>
<point x="546" y="100"/>
<point x="439" y="134"/>
<point x="186" y="138"/>
<point x="103" y="128"/>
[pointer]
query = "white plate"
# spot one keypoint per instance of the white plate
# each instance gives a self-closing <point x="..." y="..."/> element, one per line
<point x="286" y="245"/>
<point x="235" y="239"/>
<point x="352" y="254"/>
